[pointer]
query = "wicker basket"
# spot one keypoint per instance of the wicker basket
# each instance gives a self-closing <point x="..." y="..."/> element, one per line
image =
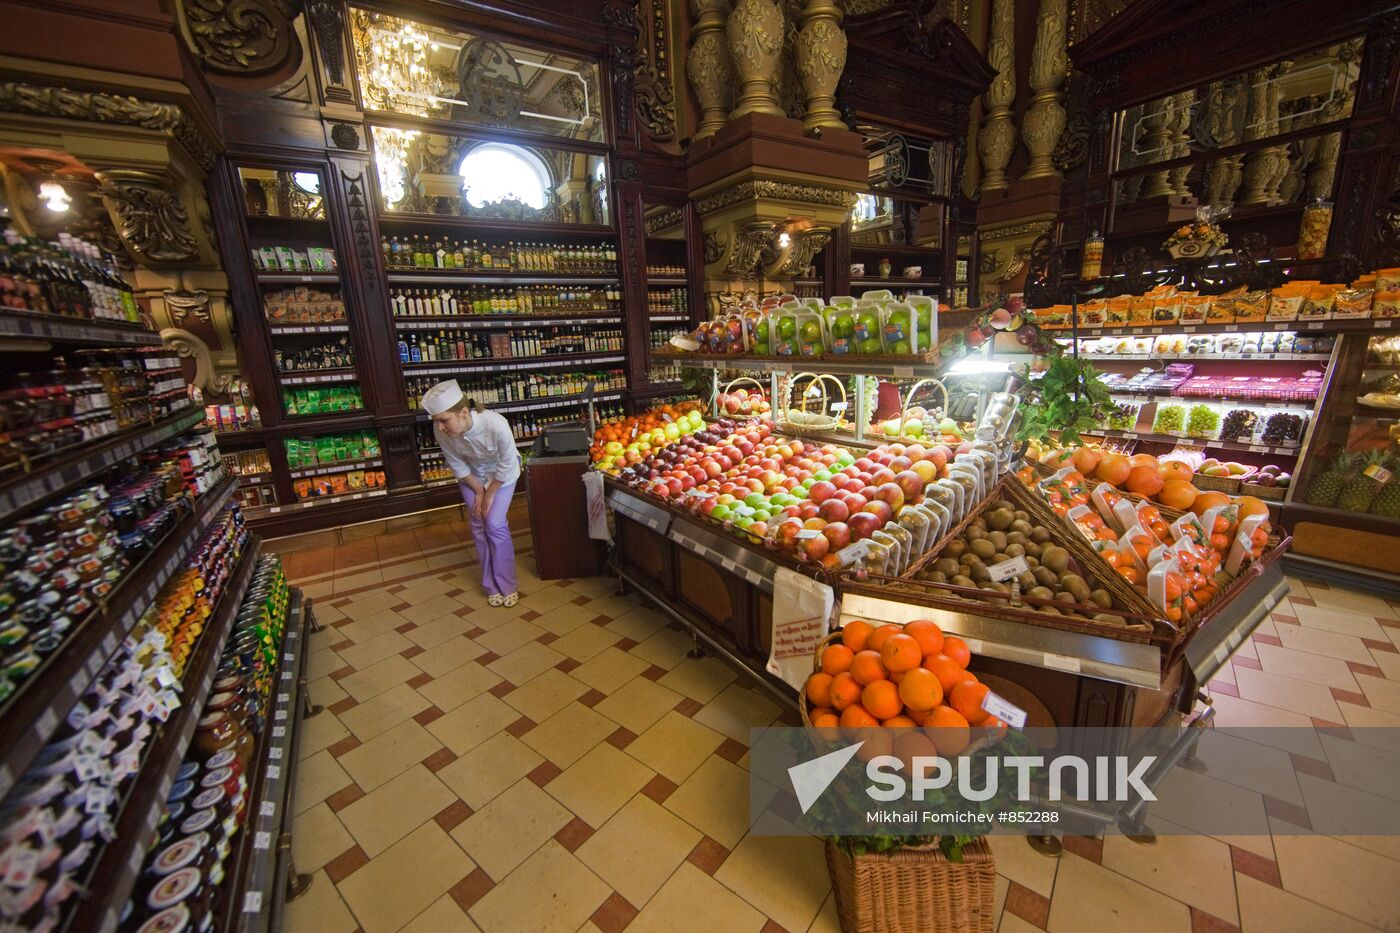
<point x="1273" y="493"/>
<point x="914" y="890"/>
<point x="1228" y="484"/>
<point x="741" y="382"/>
<point x="831" y="406"/>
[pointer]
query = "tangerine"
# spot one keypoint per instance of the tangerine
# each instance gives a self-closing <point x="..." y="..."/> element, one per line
<point x="844" y="691"/>
<point x="1086" y="459"/>
<point x="1113" y="468"/>
<point x="948" y="729"/>
<point x="857" y="717"/>
<point x="877" y="637"/>
<point x="927" y="634"/>
<point x="836" y="658"/>
<point x="900" y="653"/>
<point x="825" y="719"/>
<point x="1249" y="505"/>
<point x="957" y="649"/>
<point x="949" y="672"/>
<point x="1143" y="479"/>
<point x="1137" y="460"/>
<point x="881" y="699"/>
<point x="911" y="745"/>
<point x="854" y="634"/>
<point x="920" y="689"/>
<point x="1209" y="500"/>
<point x="874" y="741"/>
<point x="898" y="722"/>
<point x="967" y="698"/>
<point x="1177" y="494"/>
<point x="1175" y="470"/>
<point x="819" y="689"/>
<point x="867" y="668"/>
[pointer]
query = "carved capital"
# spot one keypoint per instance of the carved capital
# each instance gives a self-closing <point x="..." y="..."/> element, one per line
<point x="805" y="246"/>
<point x="776" y="190"/>
<point x="997" y="139"/>
<point x="151" y="220"/>
<point x="749" y="242"/>
<point x="755" y="32"/>
<point x="184" y="304"/>
<point x="239" y="37"/>
<point x="711" y="74"/>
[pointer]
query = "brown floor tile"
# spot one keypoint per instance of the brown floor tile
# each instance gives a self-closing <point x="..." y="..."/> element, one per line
<point x="471" y="889"/>
<point x="654" y="672"/>
<point x="1241" y="661"/>
<point x="521" y="726"/>
<point x="397" y="588"/>
<point x="452" y="814"/>
<point x="626" y="644"/>
<point x="581" y="600"/>
<point x="689" y="707"/>
<point x="567" y="665"/>
<point x="1255" y="866"/>
<point x="453" y="593"/>
<point x="422" y="680"/>
<point x="1302" y="600"/>
<point x="573" y="835"/>
<point x="1264" y="639"/>
<point x="1283" y="810"/>
<point x="1356" y="667"/>
<point x="487" y="658"/>
<point x="342" y="673"/>
<point x="346" y="864"/>
<point x="773" y="926"/>
<point x="1388" y="623"/>
<point x="400" y="607"/>
<point x="344" y="745"/>
<point x="1029" y="906"/>
<point x="464" y="612"/>
<point x="1202" y="922"/>
<point x="622" y="738"/>
<point x="344" y="797"/>
<point x="547" y="638"/>
<point x="428" y="715"/>
<point x="412" y="652"/>
<point x="600" y="619"/>
<point x="502" y="688"/>
<point x="439" y="759"/>
<point x="1306" y="765"/>
<point x="342" y="705"/>
<point x="731" y="750"/>
<point x="1377" y="645"/>
<point x="529" y="615"/>
<point x="406" y="628"/>
<point x="1350" y="696"/>
<point x="342" y="645"/>
<point x="708" y="855"/>
<point x="1086" y="847"/>
<point x="659" y="788"/>
<point x="1230" y="690"/>
<point x="1335" y="729"/>
<point x="476" y="633"/>
<point x="614" y="915"/>
<point x="544" y="773"/>
<point x="592" y="697"/>
<point x="1285" y="619"/>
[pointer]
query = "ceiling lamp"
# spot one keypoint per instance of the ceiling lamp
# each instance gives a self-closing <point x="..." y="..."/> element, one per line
<point x="55" y="197"/>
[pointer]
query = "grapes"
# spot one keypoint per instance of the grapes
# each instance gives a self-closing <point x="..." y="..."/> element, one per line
<point x="1170" y="419"/>
<point x="1202" y="421"/>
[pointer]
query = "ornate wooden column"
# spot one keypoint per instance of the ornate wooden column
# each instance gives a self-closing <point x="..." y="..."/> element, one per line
<point x="1045" y="120"/>
<point x="821" y="57"/>
<point x="998" y="136"/>
<point x="756" y="42"/>
<point x="708" y="65"/>
<point x="1261" y="169"/>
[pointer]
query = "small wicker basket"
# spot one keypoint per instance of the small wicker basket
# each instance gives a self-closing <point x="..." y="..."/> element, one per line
<point x="830" y="408"/>
<point x="1230" y="484"/>
<point x="1274" y="493"/>
<point x="914" y="890"/>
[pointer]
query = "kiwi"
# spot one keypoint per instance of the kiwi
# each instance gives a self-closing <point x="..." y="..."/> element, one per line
<point x="1046" y="576"/>
<point x="937" y="576"/>
<point x="981" y="573"/>
<point x="1034" y="549"/>
<point x="1031" y="560"/>
<point x="1040" y="534"/>
<point x="1022" y="515"/>
<point x="983" y="548"/>
<point x="1075" y="584"/>
<point x="955" y="547"/>
<point x="999" y="587"/>
<point x="963" y="580"/>
<point x="1000" y="519"/>
<point x="1021" y="526"/>
<point x="1003" y="504"/>
<point x="1055" y="557"/>
<point x="1050" y="609"/>
<point x="1101" y="599"/>
<point x="998" y="557"/>
<point x="998" y="538"/>
<point x="946" y="565"/>
<point x="973" y="533"/>
<point x="1041" y="592"/>
<point x="1015" y="537"/>
<point x="1013" y="549"/>
<point x="1027" y="581"/>
<point x="1065" y="597"/>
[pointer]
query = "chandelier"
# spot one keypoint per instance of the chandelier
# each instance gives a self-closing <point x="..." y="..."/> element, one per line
<point x="391" y="148"/>
<point x="395" y="73"/>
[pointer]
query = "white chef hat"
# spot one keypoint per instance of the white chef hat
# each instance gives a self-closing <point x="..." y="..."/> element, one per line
<point x="441" y="397"/>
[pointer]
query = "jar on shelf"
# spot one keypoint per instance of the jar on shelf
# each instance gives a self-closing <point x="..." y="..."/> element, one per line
<point x="1314" y="228"/>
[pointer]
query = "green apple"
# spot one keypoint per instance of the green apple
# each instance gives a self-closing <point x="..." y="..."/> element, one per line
<point x="845" y="458"/>
<point x="721" y="513"/>
<point x="914" y="427"/>
<point x="843" y="326"/>
<point x="755" y="499"/>
<point x="743" y="521"/>
<point x="820" y="475"/>
<point x="902" y="346"/>
<point x="812" y="331"/>
<point x="762" y="348"/>
<point x="761" y="515"/>
<point x="787" y="328"/>
<point x="870" y="346"/>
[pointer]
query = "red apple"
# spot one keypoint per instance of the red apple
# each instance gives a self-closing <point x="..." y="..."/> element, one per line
<point x="821" y="491"/>
<point x="707" y="505"/>
<point x="900" y="464"/>
<point x="916" y="452"/>
<point x="814" y="524"/>
<point x="896" y="450"/>
<point x="834" y="510"/>
<point x="758" y="529"/>
<point x="786" y="535"/>
<point x="854" y="501"/>
<point x="809" y="510"/>
<point x="814" y="549"/>
<point x="940" y="455"/>
<point x="911" y="484"/>
<point x="869" y="492"/>
<point x="863" y="525"/>
<point x="838" y="534"/>
<point x="865" y="464"/>
<point x="675" y="486"/>
<point x="882" y="476"/>
<point x="881" y="509"/>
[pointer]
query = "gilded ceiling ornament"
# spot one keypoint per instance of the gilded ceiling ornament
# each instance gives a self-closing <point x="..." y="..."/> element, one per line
<point x="191" y="347"/>
<point x="150" y="218"/>
<point x="805" y="246"/>
<point x="665" y="220"/>
<point x="186" y="304"/>
<point x="749" y="244"/>
<point x="778" y="191"/>
<point x="239" y="37"/>
<point x="656" y="107"/>
<point x="714" y="246"/>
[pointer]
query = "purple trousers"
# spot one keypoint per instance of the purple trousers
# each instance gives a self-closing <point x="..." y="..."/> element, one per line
<point x="494" y="547"/>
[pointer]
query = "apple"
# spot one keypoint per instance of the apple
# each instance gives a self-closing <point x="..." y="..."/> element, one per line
<point x="821" y="491"/>
<point x="866" y="464"/>
<point x="758" y="529"/>
<point x="808" y="510"/>
<point x="911" y="484"/>
<point x="869" y="492"/>
<point x="881" y="509"/>
<point x="707" y="506"/>
<point x="882" y="476"/>
<point x="926" y="470"/>
<point x="838" y="534"/>
<point x="814" y="524"/>
<point x="834" y="510"/>
<point x="863" y="525"/>
<point x="854" y="501"/>
<point x="900" y="463"/>
<point x="814" y="549"/>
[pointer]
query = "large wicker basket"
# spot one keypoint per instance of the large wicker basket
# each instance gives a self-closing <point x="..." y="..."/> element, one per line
<point x="914" y="890"/>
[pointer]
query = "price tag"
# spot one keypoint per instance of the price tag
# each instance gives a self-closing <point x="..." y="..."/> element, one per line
<point x="268" y="808"/>
<point x="1128" y="435"/>
<point x="904" y="372"/>
<point x="1061" y="663"/>
<point x="252" y="902"/>
<point x="1384" y="322"/>
<point x="839" y="406"/>
<point x="1005" y="570"/>
<point x="279" y="731"/>
<point x="262" y="840"/>
<point x="1231" y="328"/>
<point x="1190" y="329"/>
<point x="1280" y="327"/>
<point x="1007" y="712"/>
<point x="1258" y="448"/>
<point x="852" y="553"/>
<point x="280" y="714"/>
<point x="807" y="534"/>
<point x="275" y="753"/>
<point x="273" y="772"/>
<point x="1315" y="325"/>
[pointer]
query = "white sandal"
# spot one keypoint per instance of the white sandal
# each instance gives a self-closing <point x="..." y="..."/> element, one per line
<point x="496" y="599"/>
<point x="510" y="600"/>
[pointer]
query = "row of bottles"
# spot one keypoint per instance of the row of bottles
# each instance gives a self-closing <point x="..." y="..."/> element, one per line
<point x="517" y="387"/>
<point x="661" y="374"/>
<point x="69" y="277"/>
<point x="329" y="354"/>
<point x="564" y="340"/>
<point x="662" y="335"/>
<point x="668" y="301"/>
<point x="478" y="299"/>
<point x="663" y="270"/>
<point x="525" y="425"/>
<point x="425" y="252"/>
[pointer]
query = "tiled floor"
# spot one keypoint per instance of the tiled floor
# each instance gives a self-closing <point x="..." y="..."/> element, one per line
<point x="563" y="766"/>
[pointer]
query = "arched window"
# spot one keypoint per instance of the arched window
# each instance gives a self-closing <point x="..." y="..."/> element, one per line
<point x="493" y="172"/>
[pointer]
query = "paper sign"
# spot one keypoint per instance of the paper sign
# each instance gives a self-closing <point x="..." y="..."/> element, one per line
<point x="851" y="553"/>
<point x="1007" y="712"/>
<point x="1007" y="569"/>
<point x="1061" y="662"/>
<point x="807" y="534"/>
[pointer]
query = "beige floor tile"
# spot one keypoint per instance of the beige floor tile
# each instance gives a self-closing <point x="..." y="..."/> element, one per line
<point x="430" y="610"/>
<point x="736" y="710"/>
<point x="367" y="684"/>
<point x="1341" y="621"/>
<point x="701" y="679"/>
<point x="609" y="669"/>
<point x="389" y="754"/>
<point x="1018" y="861"/>
<point x="495" y="617"/>
<point x="1010" y="923"/>
<point x="406" y="879"/>
<point x="566" y="618"/>
<point x="1386" y="846"/>
<point x="1323" y="642"/>
<point x="1091" y="897"/>
<point x="1193" y="869"/>
<point x="638" y="623"/>
<point x="598" y="784"/>
<point x="1373" y="726"/>
<point x="472" y="723"/>
<point x="828" y="919"/>
<point x="614" y="606"/>
<point x="387" y="814"/>
<point x="638" y="704"/>
<point x="712" y="800"/>
<point x="425" y="588"/>
<point x="444" y="916"/>
<point x="1370" y="769"/>
<point x="319" y="732"/>
<point x="317" y="778"/>
<point x="1287" y="693"/>
<point x="1351" y="601"/>
<point x="326" y="614"/>
<point x="999" y="891"/>
<point x="666" y="648"/>
<point x="384" y="712"/>
<point x="446" y="657"/>
<point x="367" y="605"/>
<point x="1306" y="666"/>
<point x="362" y="630"/>
<point x="586" y="642"/>
<point x="1267" y="725"/>
<point x="784" y="877"/>
<point x="458" y="686"/>
<point x="510" y="636"/>
<point x="550" y="596"/>
<point x="400" y="572"/>
<point x="431" y="634"/>
<point x="569" y="734"/>
<point x="675" y="746"/>
<point x="317" y="837"/>
<point x="1226" y="675"/>
<point x="326" y="691"/>
<point x="638" y="848"/>
<point x="1355" y="883"/>
<point x="1383" y="694"/>
<point x="1249" y="764"/>
<point x="344" y="583"/>
<point x="525" y="663"/>
<point x="1388" y="662"/>
<point x="320" y="910"/>
<point x="1206" y="804"/>
<point x="1267" y="909"/>
<point x="593" y="587"/>
<point x="362" y="654"/>
<point x="673" y="909"/>
<point x="322" y="663"/>
<point x="506" y="832"/>
<point x="322" y="590"/>
<point x="492" y="767"/>
<point x="546" y="694"/>
<point x="517" y="905"/>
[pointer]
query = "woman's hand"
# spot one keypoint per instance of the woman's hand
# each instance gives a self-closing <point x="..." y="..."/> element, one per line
<point x="483" y="504"/>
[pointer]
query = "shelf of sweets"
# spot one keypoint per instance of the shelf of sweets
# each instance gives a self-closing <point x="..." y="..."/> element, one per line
<point x="424" y="253"/>
<point x="507" y="364"/>
<point x="29" y="717"/>
<point x="304" y="403"/>
<point x="278" y="264"/>
<point x="326" y="469"/>
<point x="317" y="377"/>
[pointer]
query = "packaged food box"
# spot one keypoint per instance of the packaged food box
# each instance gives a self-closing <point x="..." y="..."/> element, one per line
<point x="1195" y="309"/>
<point x="1353" y="303"/>
<point x="1318" y="307"/>
<point x="1251" y="307"/>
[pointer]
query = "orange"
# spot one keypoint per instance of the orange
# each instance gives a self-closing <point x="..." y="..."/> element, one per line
<point x="857" y="717"/>
<point x="957" y="649"/>
<point x="1144" y="480"/>
<point x="949" y="672"/>
<point x="1175" y="469"/>
<point x="967" y="699"/>
<point x="881" y="699"/>
<point x="836" y="658"/>
<point x="867" y="668"/>
<point x="1209" y="500"/>
<point x="1137" y="460"/>
<point x="1249" y="505"/>
<point x="898" y="722"/>
<point x="844" y="691"/>
<point x="874" y="741"/>
<point x="948" y="729"/>
<point x="825" y="719"/>
<point x="1177" y="494"/>
<point x="855" y="633"/>
<point x="918" y="715"/>
<point x="1086" y="459"/>
<point x="1113" y="468"/>
<point x="900" y="653"/>
<point x="1058" y="458"/>
<point x="927" y="634"/>
<point x="920" y="689"/>
<point x="911" y="745"/>
<point x="819" y="689"/>
<point x="877" y="637"/>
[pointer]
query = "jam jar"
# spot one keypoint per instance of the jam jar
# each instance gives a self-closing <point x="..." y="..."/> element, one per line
<point x="218" y="731"/>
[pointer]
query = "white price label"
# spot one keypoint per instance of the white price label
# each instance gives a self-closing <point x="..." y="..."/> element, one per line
<point x="262" y="840"/>
<point x="1007" y="712"/>
<point x="1231" y="328"/>
<point x="279" y="731"/>
<point x="1258" y="448"/>
<point x="1061" y="663"/>
<point x="904" y="372"/>
<point x="252" y="902"/>
<point x="275" y="753"/>
<point x="1005" y="570"/>
<point x="268" y="808"/>
<point x="1383" y="322"/>
<point x="807" y="534"/>
<point x="1316" y="325"/>
<point x="273" y="772"/>
<point x="839" y="406"/>
<point x="851" y="553"/>
<point x="280" y="714"/>
<point x="1191" y="329"/>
